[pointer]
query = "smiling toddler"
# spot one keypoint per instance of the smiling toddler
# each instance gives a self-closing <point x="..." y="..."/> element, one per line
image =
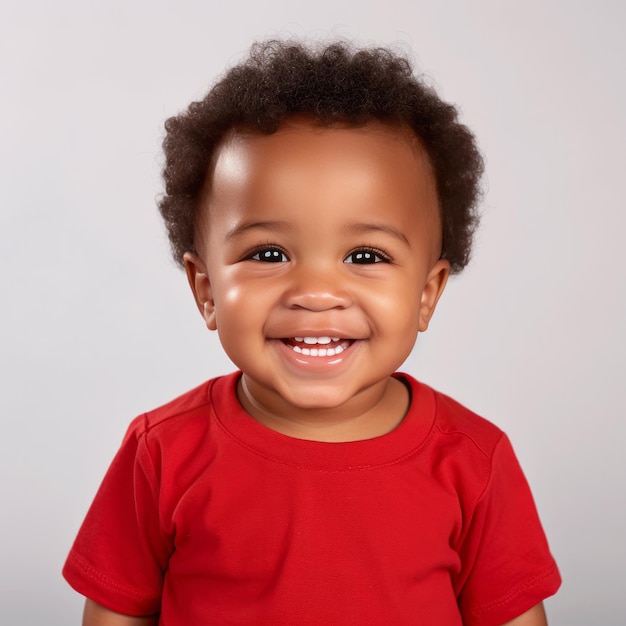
<point x="318" y="199"/>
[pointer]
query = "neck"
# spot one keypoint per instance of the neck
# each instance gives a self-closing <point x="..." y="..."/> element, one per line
<point x="372" y="413"/>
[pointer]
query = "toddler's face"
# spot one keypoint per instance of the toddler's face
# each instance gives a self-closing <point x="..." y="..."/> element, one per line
<point x="318" y="261"/>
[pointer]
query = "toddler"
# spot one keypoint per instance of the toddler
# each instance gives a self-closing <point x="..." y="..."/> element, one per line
<point x="318" y="199"/>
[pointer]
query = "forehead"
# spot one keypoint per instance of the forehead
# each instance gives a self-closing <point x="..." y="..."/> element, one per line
<point x="303" y="166"/>
<point x="242" y="151"/>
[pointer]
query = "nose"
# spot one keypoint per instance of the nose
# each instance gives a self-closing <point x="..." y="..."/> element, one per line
<point x="317" y="289"/>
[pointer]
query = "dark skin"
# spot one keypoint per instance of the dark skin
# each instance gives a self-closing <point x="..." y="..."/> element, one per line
<point x="97" y="615"/>
<point x="312" y="235"/>
<point x="318" y="198"/>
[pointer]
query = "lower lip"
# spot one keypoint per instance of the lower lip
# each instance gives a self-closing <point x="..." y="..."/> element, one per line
<point x="315" y="363"/>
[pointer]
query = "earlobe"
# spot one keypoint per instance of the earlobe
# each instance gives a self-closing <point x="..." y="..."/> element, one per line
<point x="435" y="284"/>
<point x="200" y="284"/>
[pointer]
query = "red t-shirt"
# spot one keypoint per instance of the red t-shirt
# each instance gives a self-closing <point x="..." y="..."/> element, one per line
<point x="207" y="517"/>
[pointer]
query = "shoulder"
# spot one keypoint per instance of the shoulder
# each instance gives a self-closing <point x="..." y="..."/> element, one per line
<point x="451" y="420"/>
<point x="180" y="414"/>
<point x="456" y="420"/>
<point x="461" y="449"/>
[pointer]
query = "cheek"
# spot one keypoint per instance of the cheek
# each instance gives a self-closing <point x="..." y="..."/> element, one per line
<point x="231" y="295"/>
<point x="240" y="306"/>
<point x="395" y="307"/>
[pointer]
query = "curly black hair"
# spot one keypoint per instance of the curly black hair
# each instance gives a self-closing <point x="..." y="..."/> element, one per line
<point x="332" y="84"/>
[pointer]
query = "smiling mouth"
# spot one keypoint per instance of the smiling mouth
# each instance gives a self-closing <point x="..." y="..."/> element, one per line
<point x="318" y="346"/>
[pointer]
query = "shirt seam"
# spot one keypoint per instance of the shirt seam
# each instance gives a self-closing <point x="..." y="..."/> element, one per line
<point x="99" y="577"/>
<point x="330" y="470"/>
<point x="504" y="600"/>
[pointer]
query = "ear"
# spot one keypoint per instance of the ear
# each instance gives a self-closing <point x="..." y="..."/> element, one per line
<point x="435" y="284"/>
<point x="200" y="284"/>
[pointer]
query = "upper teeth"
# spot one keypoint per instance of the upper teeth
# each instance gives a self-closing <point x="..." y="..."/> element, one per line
<point x="338" y="348"/>
<point x="314" y="340"/>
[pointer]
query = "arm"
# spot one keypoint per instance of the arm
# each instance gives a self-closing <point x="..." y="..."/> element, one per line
<point x="535" y="617"/>
<point x="97" y="615"/>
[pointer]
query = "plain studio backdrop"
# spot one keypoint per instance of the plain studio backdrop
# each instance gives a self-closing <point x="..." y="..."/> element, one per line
<point x="98" y="324"/>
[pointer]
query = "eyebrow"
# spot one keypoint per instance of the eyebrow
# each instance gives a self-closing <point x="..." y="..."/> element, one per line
<point x="359" y="229"/>
<point x="240" y="229"/>
<point x="283" y="227"/>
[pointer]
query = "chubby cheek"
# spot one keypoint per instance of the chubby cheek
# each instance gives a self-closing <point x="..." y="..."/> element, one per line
<point x="230" y="303"/>
<point x="395" y="310"/>
<point x="240" y="312"/>
<point x="404" y="329"/>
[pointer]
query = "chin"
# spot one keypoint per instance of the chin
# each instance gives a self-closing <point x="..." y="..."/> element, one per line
<point x="320" y="397"/>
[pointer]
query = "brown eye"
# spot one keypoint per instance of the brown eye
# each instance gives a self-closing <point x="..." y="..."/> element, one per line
<point x="269" y="255"/>
<point x="366" y="256"/>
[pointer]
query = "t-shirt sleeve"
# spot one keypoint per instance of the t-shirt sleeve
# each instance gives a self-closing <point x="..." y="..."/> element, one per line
<point x="508" y="567"/>
<point x="120" y="552"/>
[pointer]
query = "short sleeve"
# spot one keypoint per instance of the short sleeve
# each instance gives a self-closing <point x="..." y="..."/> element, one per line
<point x="507" y="565"/>
<point x="120" y="553"/>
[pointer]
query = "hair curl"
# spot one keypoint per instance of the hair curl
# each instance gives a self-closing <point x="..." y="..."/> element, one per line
<point x="334" y="84"/>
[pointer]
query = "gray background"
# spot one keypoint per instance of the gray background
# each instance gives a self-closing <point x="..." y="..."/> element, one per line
<point x="98" y="325"/>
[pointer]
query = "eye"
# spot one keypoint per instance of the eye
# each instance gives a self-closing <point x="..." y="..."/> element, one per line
<point x="367" y="256"/>
<point x="269" y="255"/>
